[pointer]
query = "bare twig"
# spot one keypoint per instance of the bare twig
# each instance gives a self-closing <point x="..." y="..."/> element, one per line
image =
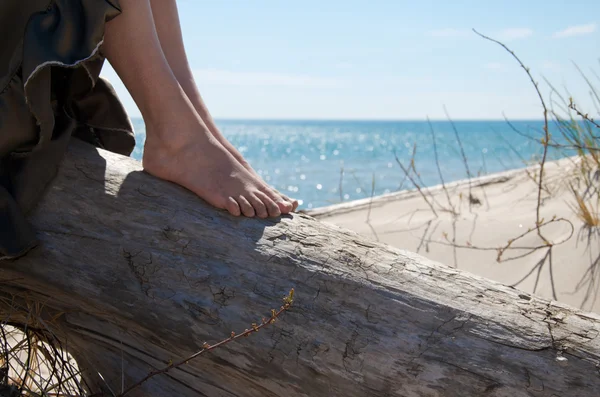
<point x="464" y="156"/>
<point x="407" y="173"/>
<point x="287" y="303"/>
<point x="585" y="116"/>
<point x="589" y="83"/>
<point x="412" y="160"/>
<point x="437" y="163"/>
<point x="368" y="221"/>
<point x="510" y="244"/>
<point x="546" y="138"/>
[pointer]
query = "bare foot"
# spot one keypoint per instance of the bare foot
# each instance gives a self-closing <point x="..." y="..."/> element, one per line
<point x="190" y="89"/>
<point x="201" y="164"/>
<point x="291" y="204"/>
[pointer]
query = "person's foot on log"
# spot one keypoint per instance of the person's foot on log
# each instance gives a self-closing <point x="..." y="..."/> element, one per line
<point x="290" y="204"/>
<point x="168" y="28"/>
<point x="184" y="151"/>
<point x="179" y="145"/>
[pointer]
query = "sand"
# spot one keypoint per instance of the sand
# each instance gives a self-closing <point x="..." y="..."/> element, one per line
<point x="469" y="239"/>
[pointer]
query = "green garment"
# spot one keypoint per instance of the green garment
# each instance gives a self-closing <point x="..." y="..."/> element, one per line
<point x="50" y="90"/>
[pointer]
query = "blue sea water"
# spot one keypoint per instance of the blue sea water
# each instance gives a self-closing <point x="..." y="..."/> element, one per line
<point x="325" y="162"/>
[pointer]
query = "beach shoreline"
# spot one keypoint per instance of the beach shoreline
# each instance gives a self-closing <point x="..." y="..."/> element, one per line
<point x="469" y="236"/>
<point x="378" y="200"/>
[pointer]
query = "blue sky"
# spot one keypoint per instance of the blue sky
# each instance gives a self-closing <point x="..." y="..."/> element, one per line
<point x="334" y="59"/>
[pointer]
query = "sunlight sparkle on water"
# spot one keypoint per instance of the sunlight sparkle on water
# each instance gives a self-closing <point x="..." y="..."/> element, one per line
<point x="344" y="156"/>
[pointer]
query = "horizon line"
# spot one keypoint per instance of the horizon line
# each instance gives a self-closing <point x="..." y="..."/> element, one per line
<point x="368" y="120"/>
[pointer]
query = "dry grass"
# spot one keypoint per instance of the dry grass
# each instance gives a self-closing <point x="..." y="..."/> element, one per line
<point x="33" y="362"/>
<point x="585" y="211"/>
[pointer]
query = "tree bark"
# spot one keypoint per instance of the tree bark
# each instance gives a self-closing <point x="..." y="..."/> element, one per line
<point x="145" y="272"/>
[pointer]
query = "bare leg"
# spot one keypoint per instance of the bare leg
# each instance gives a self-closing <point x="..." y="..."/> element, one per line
<point x="166" y="20"/>
<point x="179" y="146"/>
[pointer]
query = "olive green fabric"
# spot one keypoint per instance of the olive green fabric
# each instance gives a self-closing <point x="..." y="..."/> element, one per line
<point x="50" y="90"/>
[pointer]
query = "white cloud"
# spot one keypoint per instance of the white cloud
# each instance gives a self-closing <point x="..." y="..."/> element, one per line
<point x="449" y="32"/>
<point x="226" y="77"/>
<point x="514" y="34"/>
<point x="577" y="30"/>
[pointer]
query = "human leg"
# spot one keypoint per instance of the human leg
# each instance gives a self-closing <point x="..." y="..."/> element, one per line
<point x="168" y="28"/>
<point x="179" y="146"/>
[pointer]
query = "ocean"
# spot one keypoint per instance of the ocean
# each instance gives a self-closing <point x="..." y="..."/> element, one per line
<point x="327" y="162"/>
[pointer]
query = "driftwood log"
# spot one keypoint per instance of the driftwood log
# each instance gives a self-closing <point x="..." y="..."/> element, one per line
<point x="144" y="272"/>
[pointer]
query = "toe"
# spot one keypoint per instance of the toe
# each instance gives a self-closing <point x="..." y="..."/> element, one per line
<point x="293" y="202"/>
<point x="259" y="207"/>
<point x="245" y="206"/>
<point x="273" y="208"/>
<point x="282" y="204"/>
<point x="233" y="207"/>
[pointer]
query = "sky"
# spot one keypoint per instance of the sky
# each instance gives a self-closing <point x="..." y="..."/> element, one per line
<point x="376" y="59"/>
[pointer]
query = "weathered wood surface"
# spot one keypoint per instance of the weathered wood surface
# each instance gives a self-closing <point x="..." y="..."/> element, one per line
<point x="146" y="272"/>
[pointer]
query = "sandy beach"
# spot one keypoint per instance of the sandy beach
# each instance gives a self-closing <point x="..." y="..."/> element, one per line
<point x="468" y="236"/>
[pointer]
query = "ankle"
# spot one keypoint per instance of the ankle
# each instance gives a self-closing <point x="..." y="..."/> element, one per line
<point x="174" y="138"/>
<point x="168" y="141"/>
<point x="171" y="130"/>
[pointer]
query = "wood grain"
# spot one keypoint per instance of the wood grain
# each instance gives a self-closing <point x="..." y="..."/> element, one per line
<point x="146" y="272"/>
